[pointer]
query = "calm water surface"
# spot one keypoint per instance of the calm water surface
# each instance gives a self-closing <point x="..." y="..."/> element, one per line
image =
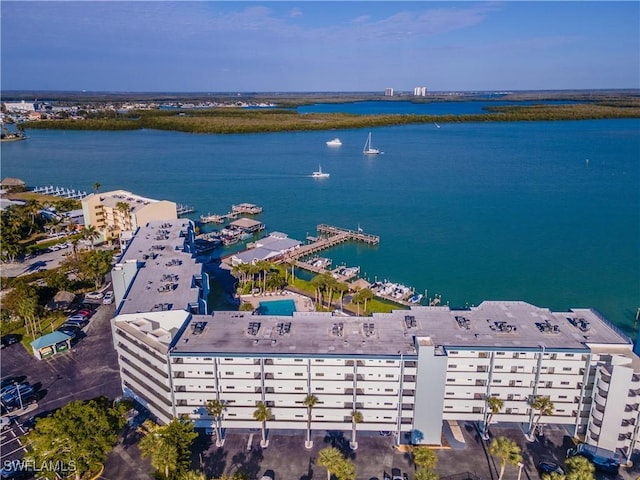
<point x="477" y="211"/>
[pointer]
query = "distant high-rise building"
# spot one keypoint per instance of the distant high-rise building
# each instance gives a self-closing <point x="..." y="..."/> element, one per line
<point x="420" y="91"/>
<point x="388" y="92"/>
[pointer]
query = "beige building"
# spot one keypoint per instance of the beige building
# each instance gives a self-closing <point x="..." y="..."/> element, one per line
<point x="114" y="213"/>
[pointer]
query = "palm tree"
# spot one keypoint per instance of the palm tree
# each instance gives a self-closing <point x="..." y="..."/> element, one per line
<point x="32" y="208"/>
<point x="123" y="208"/>
<point x="579" y="468"/>
<point x="544" y="406"/>
<point x="331" y="459"/>
<point x="262" y="413"/>
<point x="495" y="404"/>
<point x="424" y="457"/>
<point x="90" y="233"/>
<point x="318" y="283"/>
<point x="366" y="295"/>
<point x="154" y="444"/>
<point x="215" y="409"/>
<point x="342" y="288"/>
<point x="356" y="418"/>
<point x="193" y="475"/>
<point x="96" y="187"/>
<point x="309" y="401"/>
<point x="507" y="450"/>
<point x="425" y="474"/>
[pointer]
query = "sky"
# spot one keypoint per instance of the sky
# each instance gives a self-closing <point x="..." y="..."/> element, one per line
<point x="318" y="46"/>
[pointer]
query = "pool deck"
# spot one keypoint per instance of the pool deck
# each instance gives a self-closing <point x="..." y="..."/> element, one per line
<point x="303" y="304"/>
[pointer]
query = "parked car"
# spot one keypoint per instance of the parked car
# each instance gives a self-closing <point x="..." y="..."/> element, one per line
<point x="546" y="466"/>
<point x="604" y="460"/>
<point x="10" y="388"/>
<point x="5" y="422"/>
<point x="94" y="295"/>
<point x="69" y="330"/>
<point x="11" y="379"/>
<point x="9" y="339"/>
<point x="24" y="393"/>
<point x="77" y="318"/>
<point x="78" y="324"/>
<point x="108" y="298"/>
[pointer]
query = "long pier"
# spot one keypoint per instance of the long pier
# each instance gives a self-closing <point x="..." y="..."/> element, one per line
<point x="245" y="208"/>
<point x="330" y="236"/>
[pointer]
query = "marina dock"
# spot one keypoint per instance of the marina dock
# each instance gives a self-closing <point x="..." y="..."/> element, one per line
<point x="242" y="208"/>
<point x="184" y="209"/>
<point x="330" y="236"/>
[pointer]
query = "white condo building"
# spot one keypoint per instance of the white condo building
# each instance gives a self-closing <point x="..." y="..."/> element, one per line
<point x="420" y="92"/>
<point x="407" y="371"/>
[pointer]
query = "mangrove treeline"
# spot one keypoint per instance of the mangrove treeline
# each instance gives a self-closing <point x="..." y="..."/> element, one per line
<point x="232" y="120"/>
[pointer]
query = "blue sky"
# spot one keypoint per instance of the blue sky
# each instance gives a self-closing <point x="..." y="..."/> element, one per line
<point x="283" y="46"/>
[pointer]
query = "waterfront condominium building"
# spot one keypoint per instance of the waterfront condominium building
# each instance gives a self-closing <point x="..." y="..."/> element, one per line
<point x="407" y="371"/>
<point x="159" y="270"/>
<point x="120" y="212"/>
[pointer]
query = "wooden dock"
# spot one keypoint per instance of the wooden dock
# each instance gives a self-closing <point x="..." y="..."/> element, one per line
<point x="246" y="208"/>
<point x="329" y="236"/>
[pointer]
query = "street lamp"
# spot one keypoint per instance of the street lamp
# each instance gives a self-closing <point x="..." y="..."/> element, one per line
<point x="520" y="466"/>
<point x="19" y="396"/>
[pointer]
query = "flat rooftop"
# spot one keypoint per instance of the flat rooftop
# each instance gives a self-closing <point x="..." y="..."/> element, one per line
<point x="165" y="271"/>
<point x="500" y="325"/>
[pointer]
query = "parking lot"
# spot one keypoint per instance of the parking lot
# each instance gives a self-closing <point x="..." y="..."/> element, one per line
<point x="89" y="369"/>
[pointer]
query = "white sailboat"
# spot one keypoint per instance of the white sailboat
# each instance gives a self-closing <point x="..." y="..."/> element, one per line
<point x="368" y="148"/>
<point x="320" y="173"/>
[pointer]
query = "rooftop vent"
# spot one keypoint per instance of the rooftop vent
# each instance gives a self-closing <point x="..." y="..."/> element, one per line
<point x="580" y="323"/>
<point x="502" y="326"/>
<point x="410" y="321"/>
<point x="547" y="327"/>
<point x="337" y="330"/>
<point x="253" y="328"/>
<point x="198" y="327"/>
<point x="463" y="322"/>
<point x="369" y="329"/>
<point x="284" y="328"/>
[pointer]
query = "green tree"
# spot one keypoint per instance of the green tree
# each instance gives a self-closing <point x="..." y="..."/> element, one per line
<point x="495" y="404"/>
<point x="96" y="187"/>
<point x="169" y="446"/>
<point x="356" y="418"/>
<point x="262" y="414"/>
<point x="507" y="450"/>
<point x="215" y="409"/>
<point x="331" y="459"/>
<point x="123" y="209"/>
<point x="309" y="401"/>
<point x="94" y="265"/>
<point x="191" y="475"/>
<point x="346" y="470"/>
<point x="342" y="288"/>
<point x="544" y="406"/>
<point x="553" y="476"/>
<point x="80" y="434"/>
<point x="317" y="282"/>
<point x="579" y="468"/>
<point x="57" y="279"/>
<point x="90" y="233"/>
<point x="425" y="474"/>
<point x="424" y="457"/>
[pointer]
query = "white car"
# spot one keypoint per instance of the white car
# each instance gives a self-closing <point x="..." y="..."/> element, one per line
<point x="108" y="298"/>
<point x="94" y="295"/>
<point x="4" y="422"/>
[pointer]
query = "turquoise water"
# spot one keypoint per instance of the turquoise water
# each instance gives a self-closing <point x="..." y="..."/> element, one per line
<point x="469" y="211"/>
<point x="277" y="307"/>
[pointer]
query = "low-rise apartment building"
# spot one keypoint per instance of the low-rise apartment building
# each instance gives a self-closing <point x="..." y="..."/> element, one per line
<point x="407" y="371"/>
<point x="117" y="212"/>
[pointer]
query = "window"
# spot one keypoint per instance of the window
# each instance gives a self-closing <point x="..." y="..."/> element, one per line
<point x="564" y="383"/>
<point x="388" y="389"/>
<point x="211" y="373"/>
<point x="320" y="389"/>
<point x="566" y="369"/>
<point x="562" y="396"/>
<point x="298" y="374"/>
<point x="298" y="388"/>
<point x="228" y="373"/>
<point x="389" y="375"/>
<point x="297" y="360"/>
<point x="319" y="374"/>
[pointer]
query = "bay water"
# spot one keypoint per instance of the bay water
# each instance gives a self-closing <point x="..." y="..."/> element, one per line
<point x="545" y="212"/>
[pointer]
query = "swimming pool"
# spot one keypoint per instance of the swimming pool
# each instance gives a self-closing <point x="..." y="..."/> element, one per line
<point x="277" y="307"/>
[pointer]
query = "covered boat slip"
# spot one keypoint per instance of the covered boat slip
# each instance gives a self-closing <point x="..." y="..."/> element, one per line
<point x="50" y="344"/>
